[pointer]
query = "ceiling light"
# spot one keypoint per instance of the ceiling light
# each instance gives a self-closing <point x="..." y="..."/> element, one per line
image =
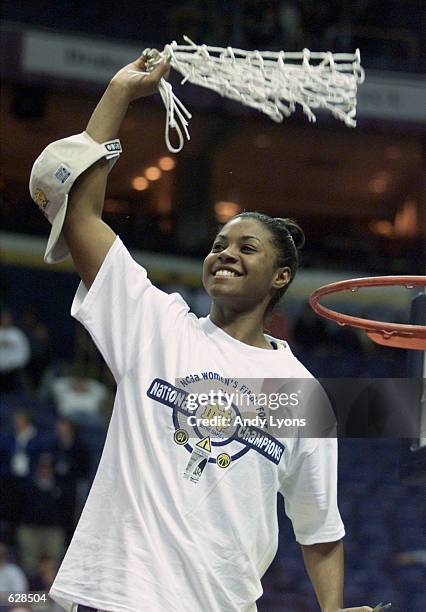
<point x="153" y="173"/>
<point x="406" y="222"/>
<point x="166" y="163"/>
<point x="140" y="183"/>
<point x="225" y="210"/>
<point x="381" y="227"/>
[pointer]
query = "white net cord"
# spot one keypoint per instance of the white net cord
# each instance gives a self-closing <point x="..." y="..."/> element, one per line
<point x="272" y="82"/>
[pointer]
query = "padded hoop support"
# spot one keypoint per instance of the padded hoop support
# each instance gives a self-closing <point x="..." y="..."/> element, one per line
<point x="388" y="334"/>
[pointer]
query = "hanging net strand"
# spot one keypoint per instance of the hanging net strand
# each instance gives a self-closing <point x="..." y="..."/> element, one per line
<point x="273" y="82"/>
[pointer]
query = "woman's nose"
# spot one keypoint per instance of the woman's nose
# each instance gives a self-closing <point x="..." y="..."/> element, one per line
<point x="227" y="255"/>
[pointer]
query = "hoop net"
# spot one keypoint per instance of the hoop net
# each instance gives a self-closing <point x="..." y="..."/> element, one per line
<point x="388" y="334"/>
<point x="272" y="82"/>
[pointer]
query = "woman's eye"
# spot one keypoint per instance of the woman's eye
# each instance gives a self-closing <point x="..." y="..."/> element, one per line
<point x="217" y="246"/>
<point x="247" y="247"/>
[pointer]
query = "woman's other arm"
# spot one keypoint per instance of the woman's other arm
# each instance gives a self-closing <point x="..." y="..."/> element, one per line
<point x="325" y="566"/>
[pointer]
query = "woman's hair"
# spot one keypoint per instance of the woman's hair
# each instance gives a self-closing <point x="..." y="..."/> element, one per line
<point x="288" y="239"/>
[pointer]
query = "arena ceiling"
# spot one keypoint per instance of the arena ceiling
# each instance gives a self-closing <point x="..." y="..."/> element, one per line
<point x="325" y="171"/>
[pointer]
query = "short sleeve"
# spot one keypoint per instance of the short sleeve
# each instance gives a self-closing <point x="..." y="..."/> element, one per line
<point x="123" y="311"/>
<point x="309" y="488"/>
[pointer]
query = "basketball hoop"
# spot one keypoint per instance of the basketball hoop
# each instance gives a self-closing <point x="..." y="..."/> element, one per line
<point x="388" y="334"/>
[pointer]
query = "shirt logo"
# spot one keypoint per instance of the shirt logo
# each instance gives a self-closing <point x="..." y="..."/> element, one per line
<point x="219" y="428"/>
<point x="223" y="460"/>
<point x="181" y="436"/>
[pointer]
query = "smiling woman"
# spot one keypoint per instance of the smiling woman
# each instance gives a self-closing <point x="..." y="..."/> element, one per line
<point x="170" y="502"/>
<point x="253" y="260"/>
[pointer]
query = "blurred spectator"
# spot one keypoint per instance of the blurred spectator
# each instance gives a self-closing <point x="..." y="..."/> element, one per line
<point x="40" y="343"/>
<point x="79" y="399"/>
<point x="71" y="465"/>
<point x="12" y="578"/>
<point x="41" y="532"/>
<point x="42" y="579"/>
<point x="14" y="353"/>
<point x="19" y="453"/>
<point x="56" y="369"/>
<point x="411" y="557"/>
<point x="20" y="449"/>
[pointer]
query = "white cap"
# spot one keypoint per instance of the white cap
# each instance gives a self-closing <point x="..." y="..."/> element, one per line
<point x="53" y="175"/>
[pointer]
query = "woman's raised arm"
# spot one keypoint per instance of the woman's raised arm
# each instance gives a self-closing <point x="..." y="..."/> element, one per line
<point x="87" y="236"/>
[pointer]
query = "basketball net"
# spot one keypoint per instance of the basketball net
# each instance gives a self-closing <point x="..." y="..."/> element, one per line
<point x="273" y="82"/>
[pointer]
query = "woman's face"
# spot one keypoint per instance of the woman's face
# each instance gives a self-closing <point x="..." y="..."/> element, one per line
<point x="240" y="270"/>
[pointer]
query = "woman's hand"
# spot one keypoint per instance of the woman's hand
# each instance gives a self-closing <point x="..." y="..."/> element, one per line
<point x="141" y="77"/>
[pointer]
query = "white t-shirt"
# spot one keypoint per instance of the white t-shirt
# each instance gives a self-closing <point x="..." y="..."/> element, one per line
<point x="15" y="349"/>
<point x="12" y="579"/>
<point x="71" y="400"/>
<point x="151" y="538"/>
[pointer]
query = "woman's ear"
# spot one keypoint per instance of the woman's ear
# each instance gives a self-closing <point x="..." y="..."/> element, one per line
<point x="281" y="278"/>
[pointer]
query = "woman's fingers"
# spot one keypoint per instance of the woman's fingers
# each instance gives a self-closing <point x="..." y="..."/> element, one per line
<point x="154" y="63"/>
<point x="158" y="67"/>
<point x="141" y="77"/>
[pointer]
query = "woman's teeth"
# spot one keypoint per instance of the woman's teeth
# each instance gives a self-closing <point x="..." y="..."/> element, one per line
<point x="225" y="273"/>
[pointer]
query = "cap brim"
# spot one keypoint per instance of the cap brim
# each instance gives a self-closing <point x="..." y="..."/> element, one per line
<point x="57" y="249"/>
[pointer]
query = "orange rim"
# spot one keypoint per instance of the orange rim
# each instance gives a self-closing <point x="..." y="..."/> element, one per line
<point x="396" y="335"/>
